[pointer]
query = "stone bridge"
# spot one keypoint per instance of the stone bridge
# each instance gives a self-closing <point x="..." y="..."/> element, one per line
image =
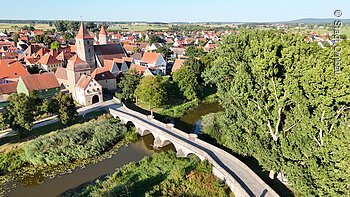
<point x="240" y="178"/>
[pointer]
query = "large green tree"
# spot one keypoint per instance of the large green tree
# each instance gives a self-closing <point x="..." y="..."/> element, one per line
<point x="193" y="51"/>
<point x="285" y="106"/>
<point x="197" y="67"/>
<point x="19" y="114"/>
<point x="151" y="91"/>
<point x="63" y="105"/>
<point x="128" y="84"/>
<point x="186" y="80"/>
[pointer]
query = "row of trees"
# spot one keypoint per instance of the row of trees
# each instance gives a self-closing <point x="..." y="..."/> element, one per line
<point x="286" y="107"/>
<point x="63" y="26"/>
<point x="23" y="110"/>
<point x="73" y="26"/>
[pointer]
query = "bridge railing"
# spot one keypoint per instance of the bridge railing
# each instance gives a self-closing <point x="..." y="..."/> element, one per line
<point x="234" y="185"/>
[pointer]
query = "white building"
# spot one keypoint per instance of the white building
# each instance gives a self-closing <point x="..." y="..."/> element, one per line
<point x="88" y="91"/>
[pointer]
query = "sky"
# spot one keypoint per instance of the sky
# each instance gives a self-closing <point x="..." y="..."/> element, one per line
<point x="175" y="11"/>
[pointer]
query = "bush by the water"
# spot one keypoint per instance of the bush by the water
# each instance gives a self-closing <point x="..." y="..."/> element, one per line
<point x="162" y="174"/>
<point x="180" y="110"/>
<point x="66" y="145"/>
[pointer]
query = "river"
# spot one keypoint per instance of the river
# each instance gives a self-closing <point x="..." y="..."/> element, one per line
<point x="64" y="184"/>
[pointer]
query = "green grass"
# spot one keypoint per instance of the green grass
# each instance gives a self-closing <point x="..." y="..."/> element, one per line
<point x="13" y="140"/>
<point x="76" y="142"/>
<point x="162" y="174"/>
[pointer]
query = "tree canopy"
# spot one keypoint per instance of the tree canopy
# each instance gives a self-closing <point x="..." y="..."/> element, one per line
<point x="63" y="105"/>
<point x="193" y="51"/>
<point x="19" y="114"/>
<point x="151" y="91"/>
<point x="128" y="84"/>
<point x="186" y="80"/>
<point x="285" y="106"/>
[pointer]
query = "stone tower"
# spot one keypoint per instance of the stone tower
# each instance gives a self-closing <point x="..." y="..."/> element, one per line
<point x="85" y="46"/>
<point x="102" y="36"/>
<point x="76" y="67"/>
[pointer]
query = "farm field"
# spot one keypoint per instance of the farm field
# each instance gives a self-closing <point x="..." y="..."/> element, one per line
<point x="138" y="27"/>
<point x="343" y="30"/>
<point x="15" y="26"/>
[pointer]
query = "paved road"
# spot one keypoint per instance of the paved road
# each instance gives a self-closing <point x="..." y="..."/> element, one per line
<point x="53" y="119"/>
<point x="237" y="172"/>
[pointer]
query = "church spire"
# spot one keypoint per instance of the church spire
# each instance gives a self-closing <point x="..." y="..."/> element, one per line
<point x="103" y="31"/>
<point x="103" y="36"/>
<point x="83" y="33"/>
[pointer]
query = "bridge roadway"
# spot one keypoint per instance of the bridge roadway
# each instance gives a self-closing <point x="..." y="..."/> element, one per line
<point x="240" y="178"/>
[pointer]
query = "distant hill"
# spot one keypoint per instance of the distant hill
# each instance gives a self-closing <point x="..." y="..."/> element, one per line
<point x="315" y="21"/>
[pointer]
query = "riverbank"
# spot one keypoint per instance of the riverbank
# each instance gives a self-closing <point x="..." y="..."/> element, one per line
<point x="175" y="110"/>
<point x="159" y="175"/>
<point x="63" y="151"/>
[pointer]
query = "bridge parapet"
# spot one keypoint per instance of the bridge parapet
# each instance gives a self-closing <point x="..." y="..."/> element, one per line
<point x="241" y="179"/>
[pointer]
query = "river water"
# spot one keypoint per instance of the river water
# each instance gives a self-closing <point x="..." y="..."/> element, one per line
<point x="64" y="184"/>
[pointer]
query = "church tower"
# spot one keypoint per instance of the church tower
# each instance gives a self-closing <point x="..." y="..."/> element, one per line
<point x="85" y="46"/>
<point x="102" y="36"/>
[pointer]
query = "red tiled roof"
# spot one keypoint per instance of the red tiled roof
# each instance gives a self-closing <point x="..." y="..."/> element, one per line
<point x="48" y="59"/>
<point x="108" y="64"/>
<point x="150" y="57"/>
<point x="61" y="73"/>
<point x="31" y="60"/>
<point x="102" y="74"/>
<point x="40" y="81"/>
<point x="102" y="31"/>
<point x="83" y="33"/>
<point x="127" y="59"/>
<point x="84" y="81"/>
<point x="129" y="47"/>
<point x="75" y="63"/>
<point x="118" y="60"/>
<point x="139" y="69"/>
<point x="8" y="88"/>
<point x="177" y="64"/>
<point x="10" y="68"/>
